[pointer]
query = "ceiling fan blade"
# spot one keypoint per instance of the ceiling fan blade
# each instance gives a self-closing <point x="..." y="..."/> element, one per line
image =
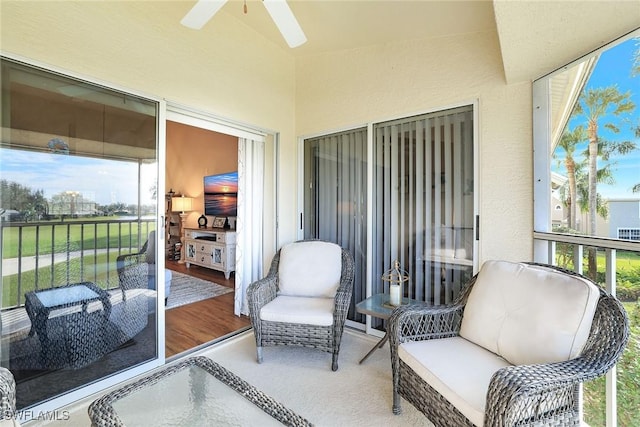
<point x="286" y="22"/>
<point x="201" y="12"/>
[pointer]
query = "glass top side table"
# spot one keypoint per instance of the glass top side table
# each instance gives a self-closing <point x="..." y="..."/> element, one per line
<point x="378" y="306"/>
<point x="194" y="392"/>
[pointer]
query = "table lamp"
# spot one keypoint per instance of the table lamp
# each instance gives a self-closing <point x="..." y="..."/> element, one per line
<point x="182" y="205"/>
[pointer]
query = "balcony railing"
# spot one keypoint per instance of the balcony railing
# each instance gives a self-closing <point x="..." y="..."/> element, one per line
<point x="40" y="255"/>
<point x="602" y="401"/>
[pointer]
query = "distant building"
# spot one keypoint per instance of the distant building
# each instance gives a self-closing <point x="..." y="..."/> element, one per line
<point x="71" y="203"/>
<point x="559" y="212"/>
<point x="10" y="215"/>
<point x="624" y="219"/>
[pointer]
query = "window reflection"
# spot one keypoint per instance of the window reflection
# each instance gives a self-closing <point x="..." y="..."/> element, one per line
<point x="78" y="174"/>
<point x="595" y="114"/>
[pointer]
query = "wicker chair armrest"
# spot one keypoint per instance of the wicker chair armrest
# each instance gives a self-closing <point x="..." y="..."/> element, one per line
<point x="7" y="394"/>
<point x="345" y="289"/>
<point x="261" y="292"/>
<point x="343" y="296"/>
<point x="419" y="322"/>
<point x="127" y="260"/>
<point x="535" y="392"/>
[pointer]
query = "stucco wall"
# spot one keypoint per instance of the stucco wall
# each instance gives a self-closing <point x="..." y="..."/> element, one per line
<point x="350" y="88"/>
<point x="141" y="47"/>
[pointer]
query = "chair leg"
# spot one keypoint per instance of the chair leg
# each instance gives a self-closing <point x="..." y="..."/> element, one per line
<point x="259" y="354"/>
<point x="397" y="409"/>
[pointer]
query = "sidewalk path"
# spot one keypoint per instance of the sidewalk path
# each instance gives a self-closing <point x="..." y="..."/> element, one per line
<point x="10" y="265"/>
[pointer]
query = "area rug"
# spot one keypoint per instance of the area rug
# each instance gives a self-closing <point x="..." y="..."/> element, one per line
<point x="187" y="289"/>
<point x="302" y="380"/>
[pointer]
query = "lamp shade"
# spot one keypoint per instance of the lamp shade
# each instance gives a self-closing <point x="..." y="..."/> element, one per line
<point x="181" y="204"/>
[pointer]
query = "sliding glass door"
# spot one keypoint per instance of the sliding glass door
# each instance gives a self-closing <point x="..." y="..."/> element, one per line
<point x="78" y="190"/>
<point x="422" y="198"/>
<point x="423" y="202"/>
<point x="335" y="198"/>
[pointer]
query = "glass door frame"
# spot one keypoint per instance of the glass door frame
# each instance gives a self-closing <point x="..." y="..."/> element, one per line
<point x="68" y="398"/>
<point x="367" y="327"/>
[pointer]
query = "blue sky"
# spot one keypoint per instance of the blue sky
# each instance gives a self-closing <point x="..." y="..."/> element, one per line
<point x="100" y="180"/>
<point x="614" y="68"/>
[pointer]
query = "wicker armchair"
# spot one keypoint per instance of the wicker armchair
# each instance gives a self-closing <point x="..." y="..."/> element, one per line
<point x="7" y="399"/>
<point x="143" y="260"/>
<point x="325" y="337"/>
<point x="530" y="394"/>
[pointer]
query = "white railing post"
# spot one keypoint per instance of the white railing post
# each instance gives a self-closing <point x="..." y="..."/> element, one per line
<point x="611" y="392"/>
<point x="578" y="253"/>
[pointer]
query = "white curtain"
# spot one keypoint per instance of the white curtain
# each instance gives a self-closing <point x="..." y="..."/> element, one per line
<point x="249" y="226"/>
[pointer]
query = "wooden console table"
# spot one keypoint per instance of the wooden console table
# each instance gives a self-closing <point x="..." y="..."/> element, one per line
<point x="213" y="248"/>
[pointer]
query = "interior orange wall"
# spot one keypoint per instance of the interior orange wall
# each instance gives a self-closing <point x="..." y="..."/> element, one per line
<point x="193" y="153"/>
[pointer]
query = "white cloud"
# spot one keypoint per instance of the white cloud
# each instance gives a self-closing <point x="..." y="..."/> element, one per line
<point x="101" y="180"/>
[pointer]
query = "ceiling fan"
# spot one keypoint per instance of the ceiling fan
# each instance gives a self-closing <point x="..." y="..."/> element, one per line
<point x="279" y="10"/>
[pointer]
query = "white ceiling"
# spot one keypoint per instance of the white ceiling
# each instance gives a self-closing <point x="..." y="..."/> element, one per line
<point x="535" y="36"/>
<point x="336" y="25"/>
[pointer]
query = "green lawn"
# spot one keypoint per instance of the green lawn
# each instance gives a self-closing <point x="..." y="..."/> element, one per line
<point x="100" y="233"/>
<point x="62" y="238"/>
<point x="100" y="270"/>
<point x="624" y="260"/>
<point x="628" y="376"/>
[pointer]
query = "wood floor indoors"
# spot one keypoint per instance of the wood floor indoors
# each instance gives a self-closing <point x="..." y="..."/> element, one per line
<point x="192" y="325"/>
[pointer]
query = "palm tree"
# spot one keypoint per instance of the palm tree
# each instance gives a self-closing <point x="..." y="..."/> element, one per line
<point x="604" y="176"/>
<point x="568" y="142"/>
<point x="581" y="198"/>
<point x="597" y="104"/>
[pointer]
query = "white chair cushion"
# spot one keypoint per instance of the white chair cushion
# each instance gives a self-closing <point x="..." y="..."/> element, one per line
<point x="310" y="269"/>
<point x="457" y="369"/>
<point x="304" y="310"/>
<point x="529" y="314"/>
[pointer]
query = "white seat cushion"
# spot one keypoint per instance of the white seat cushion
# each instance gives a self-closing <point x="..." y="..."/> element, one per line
<point x="304" y="310"/>
<point x="457" y="369"/>
<point x="529" y="314"/>
<point x="310" y="269"/>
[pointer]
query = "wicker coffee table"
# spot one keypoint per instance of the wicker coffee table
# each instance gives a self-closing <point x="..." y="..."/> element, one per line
<point x="195" y="392"/>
